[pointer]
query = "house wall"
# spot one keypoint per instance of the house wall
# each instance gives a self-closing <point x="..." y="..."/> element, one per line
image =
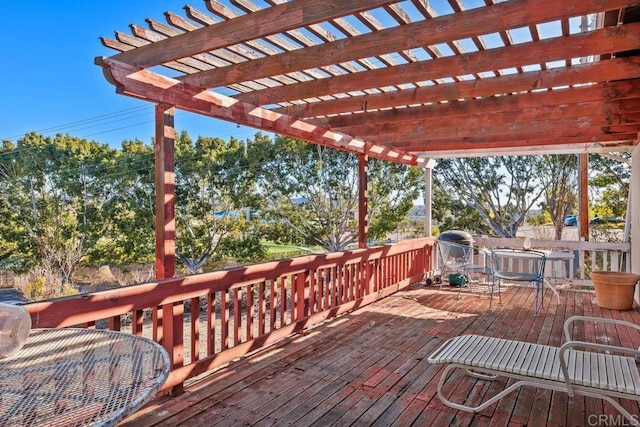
<point x="634" y="196"/>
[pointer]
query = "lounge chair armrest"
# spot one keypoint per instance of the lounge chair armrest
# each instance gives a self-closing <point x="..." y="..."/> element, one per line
<point x="572" y="319"/>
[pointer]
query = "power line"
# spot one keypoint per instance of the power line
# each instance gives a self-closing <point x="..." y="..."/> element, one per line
<point x="71" y="125"/>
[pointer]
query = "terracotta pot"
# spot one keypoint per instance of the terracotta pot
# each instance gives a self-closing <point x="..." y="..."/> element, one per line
<point x="614" y="289"/>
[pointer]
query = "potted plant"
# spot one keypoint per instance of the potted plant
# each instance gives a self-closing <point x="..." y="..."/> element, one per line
<point x="614" y="289"/>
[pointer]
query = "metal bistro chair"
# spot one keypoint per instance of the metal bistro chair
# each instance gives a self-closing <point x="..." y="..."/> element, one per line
<point x="517" y="265"/>
<point x="457" y="258"/>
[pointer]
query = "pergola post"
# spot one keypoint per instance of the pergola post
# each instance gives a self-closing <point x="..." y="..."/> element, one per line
<point x="428" y="189"/>
<point x="169" y="320"/>
<point x="634" y="215"/>
<point x="363" y="201"/>
<point x="583" y="197"/>
<point x="165" y="192"/>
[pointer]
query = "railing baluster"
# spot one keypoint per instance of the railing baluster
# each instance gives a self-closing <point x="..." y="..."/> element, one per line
<point x="262" y="308"/>
<point x="195" y="329"/>
<point x="114" y="323"/>
<point x="272" y="304"/>
<point x="224" y="320"/>
<point x="211" y="323"/>
<point x="137" y="322"/>
<point x="237" y="316"/>
<point x="283" y="301"/>
<point x="250" y="312"/>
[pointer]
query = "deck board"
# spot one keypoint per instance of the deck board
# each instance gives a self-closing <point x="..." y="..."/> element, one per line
<point x="369" y="367"/>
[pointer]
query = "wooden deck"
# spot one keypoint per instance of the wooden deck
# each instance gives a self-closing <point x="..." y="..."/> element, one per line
<point x="369" y="368"/>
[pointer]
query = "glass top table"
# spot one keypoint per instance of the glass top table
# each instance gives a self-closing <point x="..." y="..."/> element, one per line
<point x="79" y="377"/>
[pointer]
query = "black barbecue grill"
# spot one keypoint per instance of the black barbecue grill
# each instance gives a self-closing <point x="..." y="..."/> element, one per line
<point x="454" y="248"/>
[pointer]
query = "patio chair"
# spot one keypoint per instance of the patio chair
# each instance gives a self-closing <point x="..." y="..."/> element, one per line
<point x="517" y="265"/>
<point x="456" y="258"/>
<point x="605" y="375"/>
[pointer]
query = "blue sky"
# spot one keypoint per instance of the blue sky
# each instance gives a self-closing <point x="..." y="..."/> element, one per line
<point x="49" y="83"/>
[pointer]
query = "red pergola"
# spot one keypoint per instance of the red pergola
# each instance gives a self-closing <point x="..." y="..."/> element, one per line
<point x="402" y="81"/>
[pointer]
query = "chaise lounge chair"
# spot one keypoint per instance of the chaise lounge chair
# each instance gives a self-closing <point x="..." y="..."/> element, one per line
<point x="589" y="373"/>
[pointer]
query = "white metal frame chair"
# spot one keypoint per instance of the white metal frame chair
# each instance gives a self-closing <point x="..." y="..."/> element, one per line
<point x="608" y="372"/>
<point x="457" y="258"/>
<point x="517" y="265"/>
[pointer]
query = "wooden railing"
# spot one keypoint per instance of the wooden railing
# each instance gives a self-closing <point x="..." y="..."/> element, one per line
<point x="207" y="320"/>
<point x="588" y="256"/>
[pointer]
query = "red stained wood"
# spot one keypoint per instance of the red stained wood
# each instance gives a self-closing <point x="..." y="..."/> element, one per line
<point x="610" y="39"/>
<point x="423" y="33"/>
<point x="165" y="227"/>
<point x="154" y="87"/>
<point x="266" y="22"/>
<point x="369" y="367"/>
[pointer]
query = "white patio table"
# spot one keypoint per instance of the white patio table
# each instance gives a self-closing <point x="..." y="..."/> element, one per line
<point x="79" y="377"/>
<point x="552" y="271"/>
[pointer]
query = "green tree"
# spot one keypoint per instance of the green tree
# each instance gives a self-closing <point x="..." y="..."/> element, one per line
<point x="609" y="183"/>
<point x="559" y="176"/>
<point x="213" y="194"/>
<point x="499" y="190"/>
<point x="311" y="193"/>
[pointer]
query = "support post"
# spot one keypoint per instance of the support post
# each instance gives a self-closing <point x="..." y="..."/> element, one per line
<point x="363" y="201"/>
<point x="169" y="319"/>
<point x="583" y="197"/>
<point x="428" y="189"/>
<point x="165" y="192"/>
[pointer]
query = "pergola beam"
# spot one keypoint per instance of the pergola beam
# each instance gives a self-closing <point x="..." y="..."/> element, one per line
<point x="525" y="150"/>
<point x="483" y="127"/>
<point x="549" y="118"/>
<point x="569" y="102"/>
<point x="564" y="136"/>
<point x="144" y="84"/>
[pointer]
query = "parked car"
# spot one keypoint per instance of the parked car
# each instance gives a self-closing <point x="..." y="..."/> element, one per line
<point x="607" y="220"/>
<point x="571" y="220"/>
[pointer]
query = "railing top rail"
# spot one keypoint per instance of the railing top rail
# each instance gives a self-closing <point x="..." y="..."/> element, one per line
<point x="552" y="244"/>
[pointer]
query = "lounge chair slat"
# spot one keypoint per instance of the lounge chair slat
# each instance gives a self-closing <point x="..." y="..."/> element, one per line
<point x="586" y="369"/>
<point x="505" y="353"/>
<point x="577" y="376"/>
<point x="620" y="380"/>
<point x="531" y="358"/>
<point x="634" y="375"/>
<point x="594" y="370"/>
<point x="530" y="369"/>
<point x="473" y="345"/>
<point x="548" y="365"/>
<point x="498" y="354"/>
<point x="611" y="375"/>
<point x="556" y="369"/>
<point x="488" y="349"/>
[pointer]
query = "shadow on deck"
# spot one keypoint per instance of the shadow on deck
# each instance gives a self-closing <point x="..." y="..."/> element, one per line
<point x="369" y="367"/>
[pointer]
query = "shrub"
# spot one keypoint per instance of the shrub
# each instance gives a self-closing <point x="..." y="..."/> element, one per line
<point x="41" y="283"/>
